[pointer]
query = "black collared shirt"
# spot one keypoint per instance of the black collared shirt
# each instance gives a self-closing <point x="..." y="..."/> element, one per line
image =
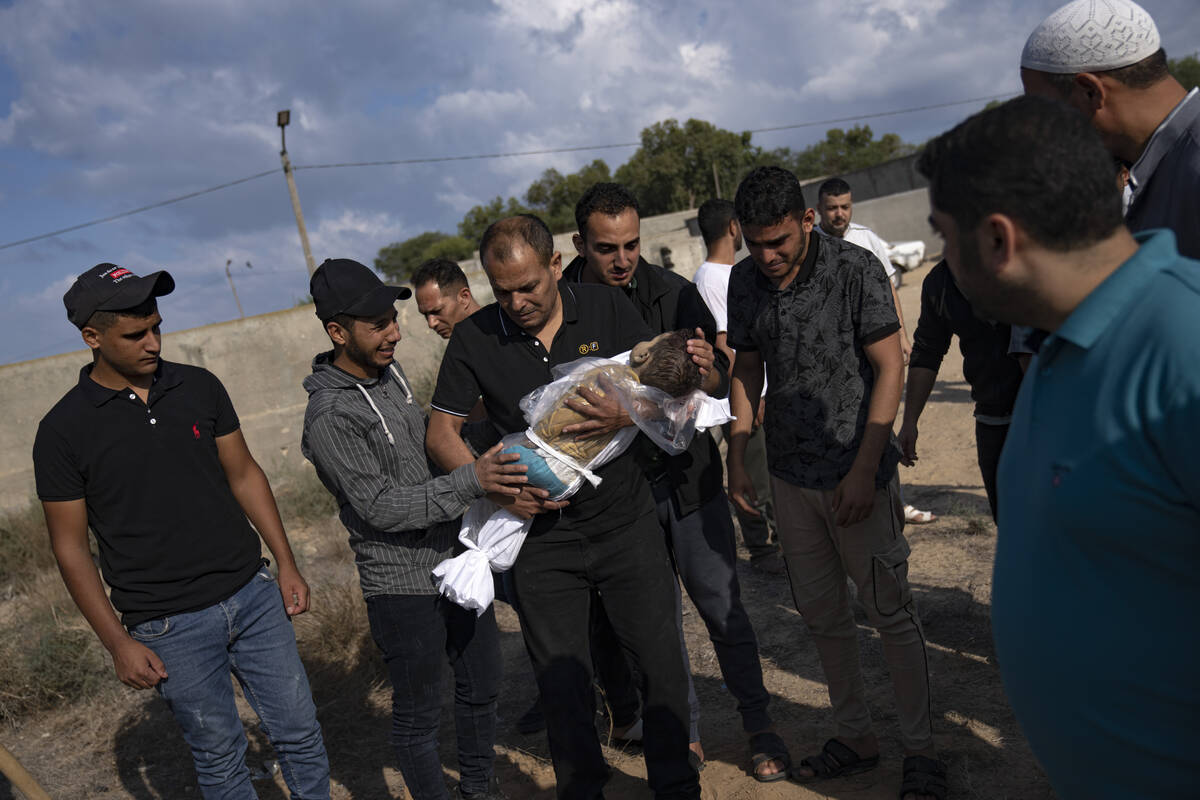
<point x="172" y="537"/>
<point x="489" y="355"/>
<point x="811" y="335"/>
<point x="994" y="375"/>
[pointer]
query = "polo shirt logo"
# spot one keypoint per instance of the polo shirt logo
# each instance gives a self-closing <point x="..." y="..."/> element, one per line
<point x="195" y="430"/>
<point x="584" y="349"/>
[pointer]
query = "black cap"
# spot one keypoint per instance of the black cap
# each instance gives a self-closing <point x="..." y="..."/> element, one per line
<point x="342" y="286"/>
<point x="107" y="287"/>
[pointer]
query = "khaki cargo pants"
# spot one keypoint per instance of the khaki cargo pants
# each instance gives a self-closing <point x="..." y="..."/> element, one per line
<point x="874" y="554"/>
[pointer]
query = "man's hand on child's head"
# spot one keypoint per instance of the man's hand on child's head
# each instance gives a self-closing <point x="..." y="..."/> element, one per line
<point x="702" y="352"/>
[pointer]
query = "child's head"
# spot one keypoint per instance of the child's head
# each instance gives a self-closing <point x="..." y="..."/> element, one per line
<point x="664" y="363"/>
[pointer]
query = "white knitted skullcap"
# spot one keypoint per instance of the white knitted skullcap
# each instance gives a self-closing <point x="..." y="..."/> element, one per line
<point x="1091" y="36"/>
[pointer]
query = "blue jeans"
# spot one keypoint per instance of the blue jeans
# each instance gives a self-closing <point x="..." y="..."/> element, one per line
<point x="417" y="634"/>
<point x="250" y="635"/>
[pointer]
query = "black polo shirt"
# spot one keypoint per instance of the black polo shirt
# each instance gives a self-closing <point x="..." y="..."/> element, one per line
<point x="172" y="536"/>
<point x="811" y="335"/>
<point x="491" y="356"/>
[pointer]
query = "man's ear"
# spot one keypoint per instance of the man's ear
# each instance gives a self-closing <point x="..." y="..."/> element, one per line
<point x="997" y="237"/>
<point x="734" y="230"/>
<point x="808" y="219"/>
<point x="1089" y="93"/>
<point x="464" y="296"/>
<point x="91" y="337"/>
<point x="337" y="334"/>
<point x="556" y="262"/>
<point x="577" y="240"/>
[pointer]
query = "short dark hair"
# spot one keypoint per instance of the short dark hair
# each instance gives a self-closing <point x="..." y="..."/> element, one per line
<point x="669" y="366"/>
<point x="1032" y="159"/>
<point x="103" y="320"/>
<point x="713" y="218"/>
<point x="498" y="239"/>
<point x="442" y="271"/>
<point x="609" y="199"/>
<point x="1138" y="75"/>
<point x="834" y="187"/>
<point x="767" y="195"/>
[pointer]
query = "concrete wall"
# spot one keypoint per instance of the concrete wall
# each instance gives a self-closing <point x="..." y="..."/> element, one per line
<point x="900" y="218"/>
<point x="889" y="178"/>
<point x="263" y="359"/>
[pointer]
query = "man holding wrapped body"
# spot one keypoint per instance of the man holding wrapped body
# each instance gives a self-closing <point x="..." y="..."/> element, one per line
<point x="606" y="538"/>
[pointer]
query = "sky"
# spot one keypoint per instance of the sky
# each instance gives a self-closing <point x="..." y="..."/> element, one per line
<point x="108" y="106"/>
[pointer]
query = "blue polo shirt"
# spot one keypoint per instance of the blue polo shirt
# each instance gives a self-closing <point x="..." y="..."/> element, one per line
<point x="1097" y="580"/>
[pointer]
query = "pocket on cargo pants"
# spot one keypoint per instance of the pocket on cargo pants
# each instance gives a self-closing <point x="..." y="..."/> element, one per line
<point x="889" y="578"/>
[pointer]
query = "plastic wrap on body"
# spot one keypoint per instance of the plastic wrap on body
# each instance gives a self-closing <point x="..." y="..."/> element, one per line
<point x="560" y="463"/>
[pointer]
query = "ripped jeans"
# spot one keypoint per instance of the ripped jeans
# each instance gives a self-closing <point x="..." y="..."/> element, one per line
<point x="874" y="554"/>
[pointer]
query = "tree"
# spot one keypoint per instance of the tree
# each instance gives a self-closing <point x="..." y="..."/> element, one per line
<point x="845" y="151"/>
<point x="1186" y="70"/>
<point x="399" y="260"/>
<point x="477" y="220"/>
<point x="553" y="196"/>
<point x="675" y="165"/>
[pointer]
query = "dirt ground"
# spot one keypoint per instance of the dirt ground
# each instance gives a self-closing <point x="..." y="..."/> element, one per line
<point x="127" y="745"/>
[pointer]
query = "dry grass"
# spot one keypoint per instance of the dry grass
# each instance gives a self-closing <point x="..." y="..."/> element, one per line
<point x="24" y="546"/>
<point x="51" y="657"/>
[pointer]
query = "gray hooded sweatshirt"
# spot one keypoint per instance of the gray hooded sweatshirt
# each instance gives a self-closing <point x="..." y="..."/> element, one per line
<point x="367" y="440"/>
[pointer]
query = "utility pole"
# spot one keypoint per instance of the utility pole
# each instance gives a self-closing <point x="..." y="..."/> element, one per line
<point x="232" y="288"/>
<point x="716" y="180"/>
<point x="282" y="119"/>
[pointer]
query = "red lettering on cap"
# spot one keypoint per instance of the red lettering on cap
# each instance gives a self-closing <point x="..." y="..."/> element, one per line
<point x="119" y="273"/>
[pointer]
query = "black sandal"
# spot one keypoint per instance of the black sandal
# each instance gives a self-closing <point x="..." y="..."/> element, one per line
<point x="834" y="760"/>
<point x="923" y="776"/>
<point x="767" y="746"/>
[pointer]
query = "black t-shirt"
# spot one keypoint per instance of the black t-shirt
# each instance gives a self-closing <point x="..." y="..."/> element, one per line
<point x="811" y="335"/>
<point x="489" y="355"/>
<point x="172" y="536"/>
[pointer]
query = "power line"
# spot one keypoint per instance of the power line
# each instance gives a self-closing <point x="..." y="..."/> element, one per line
<point x="139" y="210"/>
<point x="477" y="157"/>
<point x="878" y="114"/>
<point x="481" y="156"/>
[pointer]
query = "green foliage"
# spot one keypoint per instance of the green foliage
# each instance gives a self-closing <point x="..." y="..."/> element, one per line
<point x="1186" y="70"/>
<point x="478" y="218"/>
<point x="553" y="196"/>
<point x="844" y="151"/>
<point x="399" y="260"/>
<point x="674" y="167"/>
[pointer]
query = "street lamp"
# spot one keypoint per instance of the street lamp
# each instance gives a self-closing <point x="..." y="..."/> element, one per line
<point x="282" y="119"/>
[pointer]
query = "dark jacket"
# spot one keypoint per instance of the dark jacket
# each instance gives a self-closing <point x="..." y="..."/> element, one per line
<point x="668" y="302"/>
<point x="994" y="376"/>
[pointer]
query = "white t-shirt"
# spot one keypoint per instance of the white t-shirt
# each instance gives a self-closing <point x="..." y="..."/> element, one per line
<point x="712" y="280"/>
<point x="867" y="239"/>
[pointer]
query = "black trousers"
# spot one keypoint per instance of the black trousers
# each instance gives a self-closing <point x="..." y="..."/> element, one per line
<point x="631" y="571"/>
<point x="989" y="442"/>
